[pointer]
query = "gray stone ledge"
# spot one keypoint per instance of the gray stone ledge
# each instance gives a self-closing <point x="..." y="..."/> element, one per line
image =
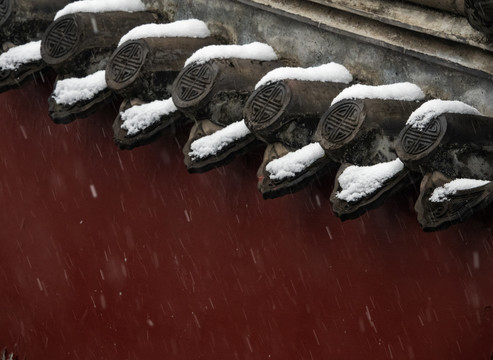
<point x="441" y="24"/>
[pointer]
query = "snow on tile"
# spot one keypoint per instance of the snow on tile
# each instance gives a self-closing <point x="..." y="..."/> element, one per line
<point x="434" y="108"/>
<point x="140" y="117"/>
<point x="98" y="6"/>
<point x="19" y="55"/>
<point x="294" y="162"/>
<point x="401" y="91"/>
<point x="358" y="182"/>
<point x="441" y="194"/>
<point x="254" y="51"/>
<point x="71" y="90"/>
<point x="212" y="144"/>
<point x="332" y="72"/>
<point x="192" y="28"/>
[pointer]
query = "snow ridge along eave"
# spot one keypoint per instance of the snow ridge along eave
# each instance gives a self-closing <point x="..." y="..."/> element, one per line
<point x="253" y="51"/>
<point x="331" y="72"/>
<point x="99" y="6"/>
<point x="184" y="28"/>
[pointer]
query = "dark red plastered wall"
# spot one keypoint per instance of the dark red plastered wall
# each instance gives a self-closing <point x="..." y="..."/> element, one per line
<point x="109" y="254"/>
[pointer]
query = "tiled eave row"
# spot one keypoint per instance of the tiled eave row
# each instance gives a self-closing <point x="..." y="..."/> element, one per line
<point x="378" y="41"/>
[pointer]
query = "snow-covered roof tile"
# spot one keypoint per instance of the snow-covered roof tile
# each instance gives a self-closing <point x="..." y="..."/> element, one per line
<point x="253" y="51"/>
<point x="441" y="194"/>
<point x="434" y="108"/>
<point x="294" y="162"/>
<point x="331" y="72"/>
<point x="19" y="55"/>
<point x="212" y="144"/>
<point x="185" y="28"/>
<point x="358" y="182"/>
<point x="71" y="90"/>
<point x="140" y="117"/>
<point x="405" y="91"/>
<point x="98" y="6"/>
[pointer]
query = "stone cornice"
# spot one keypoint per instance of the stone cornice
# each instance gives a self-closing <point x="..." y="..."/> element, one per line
<point x="448" y="40"/>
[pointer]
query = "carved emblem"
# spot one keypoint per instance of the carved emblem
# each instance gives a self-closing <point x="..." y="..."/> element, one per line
<point x="127" y="62"/>
<point x="5" y="9"/>
<point x="437" y="210"/>
<point x="416" y="141"/>
<point x="62" y="38"/>
<point x="195" y="81"/>
<point x="268" y="103"/>
<point x="4" y="74"/>
<point x="341" y="122"/>
<point x="456" y="206"/>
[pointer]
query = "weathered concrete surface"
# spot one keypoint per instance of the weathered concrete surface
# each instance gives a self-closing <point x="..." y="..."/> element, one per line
<point x="375" y="52"/>
<point x="427" y="20"/>
<point x="447" y="5"/>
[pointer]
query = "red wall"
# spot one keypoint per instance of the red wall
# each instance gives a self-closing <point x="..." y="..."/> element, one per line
<point x="167" y="265"/>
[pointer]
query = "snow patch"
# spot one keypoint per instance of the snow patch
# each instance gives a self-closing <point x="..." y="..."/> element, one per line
<point x="140" y="117"/>
<point x="254" y="51"/>
<point x="405" y="91"/>
<point x="72" y="90"/>
<point x="212" y="144"/>
<point x="332" y="72"/>
<point x="441" y="194"/>
<point x="192" y="28"/>
<point x="98" y="6"/>
<point x="358" y="182"/>
<point x="19" y="55"/>
<point x="434" y="108"/>
<point x="294" y="162"/>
